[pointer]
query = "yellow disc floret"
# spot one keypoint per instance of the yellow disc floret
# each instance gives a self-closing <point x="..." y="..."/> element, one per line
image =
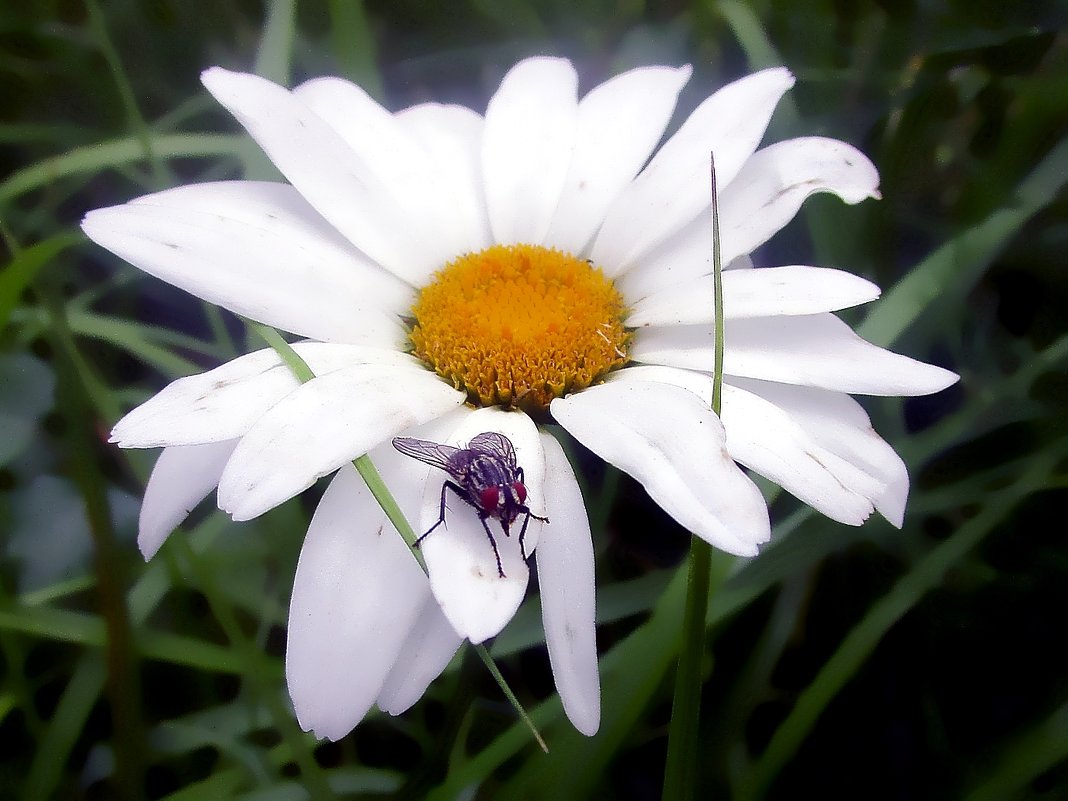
<point x="519" y="325"/>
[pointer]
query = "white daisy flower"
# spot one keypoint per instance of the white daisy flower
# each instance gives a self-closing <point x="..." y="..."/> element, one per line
<point x="456" y="273"/>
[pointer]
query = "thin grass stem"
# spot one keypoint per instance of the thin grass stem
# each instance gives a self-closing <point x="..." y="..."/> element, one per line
<point x="680" y="770"/>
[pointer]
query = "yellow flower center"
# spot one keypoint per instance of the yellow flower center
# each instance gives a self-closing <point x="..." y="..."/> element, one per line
<point x="519" y="325"/>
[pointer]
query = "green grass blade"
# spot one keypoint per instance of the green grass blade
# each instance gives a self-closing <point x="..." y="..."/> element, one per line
<point x="1025" y="759"/>
<point x="135" y="120"/>
<point x="48" y="766"/>
<point x="276" y="45"/>
<point x="117" y="153"/>
<point x="23" y="268"/>
<point x="748" y="30"/>
<point x="953" y="269"/>
<point x="354" y="45"/>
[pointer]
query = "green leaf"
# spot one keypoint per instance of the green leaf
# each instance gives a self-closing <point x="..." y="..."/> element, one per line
<point x="861" y="641"/>
<point x="349" y="781"/>
<point x="28" y="387"/>
<point x="49" y="539"/>
<point x="223" y="784"/>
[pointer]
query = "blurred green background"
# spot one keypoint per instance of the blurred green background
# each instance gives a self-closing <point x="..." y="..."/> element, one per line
<point x="845" y="663"/>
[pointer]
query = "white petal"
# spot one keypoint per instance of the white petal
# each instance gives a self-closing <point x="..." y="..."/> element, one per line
<point x="839" y="424"/>
<point x="760" y="292"/>
<point x="764" y="438"/>
<point x="565" y="576"/>
<point x="396" y="158"/>
<point x="619" y="124"/>
<point x="814" y="350"/>
<point x="182" y="478"/>
<point x="529" y="137"/>
<point x="891" y="504"/>
<point x="323" y="424"/>
<point x="432" y="641"/>
<point x="464" y="577"/>
<point x="671" y="442"/>
<point x="267" y="205"/>
<point x="700" y="384"/>
<point x="676" y="186"/>
<point x="427" y="651"/>
<point x="764" y="196"/>
<point x="224" y="403"/>
<point x="356" y="595"/>
<point x="326" y="171"/>
<point x="261" y="251"/>
<point x="773" y="184"/>
<point x="830" y="426"/>
<point x="685" y="257"/>
<point x="452" y="138"/>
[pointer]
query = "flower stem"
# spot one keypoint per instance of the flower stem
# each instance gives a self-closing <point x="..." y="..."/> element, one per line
<point x="681" y="767"/>
<point x="381" y="493"/>
<point x="74" y="387"/>
<point x="680" y="770"/>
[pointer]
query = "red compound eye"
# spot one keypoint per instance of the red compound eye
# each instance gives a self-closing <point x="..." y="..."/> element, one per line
<point x="489" y="497"/>
<point x="520" y="491"/>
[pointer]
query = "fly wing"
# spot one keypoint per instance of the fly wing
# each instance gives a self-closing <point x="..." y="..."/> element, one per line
<point x="432" y="453"/>
<point x="496" y="444"/>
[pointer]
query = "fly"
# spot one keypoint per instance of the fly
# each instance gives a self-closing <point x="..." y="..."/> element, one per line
<point x="485" y="475"/>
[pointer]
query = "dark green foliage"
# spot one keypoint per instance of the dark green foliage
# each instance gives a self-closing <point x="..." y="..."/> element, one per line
<point x="843" y="663"/>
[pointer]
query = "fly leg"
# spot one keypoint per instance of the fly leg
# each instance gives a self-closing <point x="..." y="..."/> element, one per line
<point x="441" y="518"/>
<point x="523" y="531"/>
<point x="493" y="542"/>
<point x="462" y="495"/>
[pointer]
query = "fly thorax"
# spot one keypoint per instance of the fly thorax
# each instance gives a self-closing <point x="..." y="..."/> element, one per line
<point x="489" y="471"/>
